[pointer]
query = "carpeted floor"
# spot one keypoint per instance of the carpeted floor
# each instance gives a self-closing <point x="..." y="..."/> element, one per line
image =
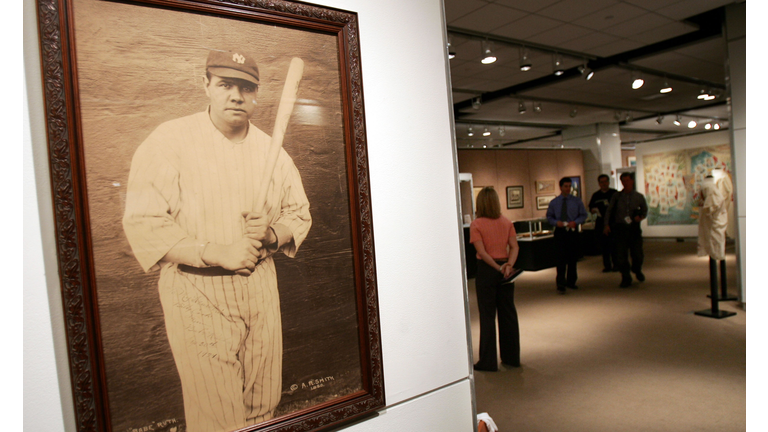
<point x="603" y="358"/>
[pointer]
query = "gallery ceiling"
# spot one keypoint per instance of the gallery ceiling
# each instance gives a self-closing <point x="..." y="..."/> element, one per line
<point x="668" y="43"/>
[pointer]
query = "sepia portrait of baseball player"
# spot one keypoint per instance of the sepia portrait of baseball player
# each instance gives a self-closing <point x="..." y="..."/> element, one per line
<point x="210" y="199"/>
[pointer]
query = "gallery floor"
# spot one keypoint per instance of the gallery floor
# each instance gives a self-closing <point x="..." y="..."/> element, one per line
<point x="602" y="358"/>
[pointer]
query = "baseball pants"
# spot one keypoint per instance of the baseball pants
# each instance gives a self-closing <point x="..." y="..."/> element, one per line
<point x="226" y="337"/>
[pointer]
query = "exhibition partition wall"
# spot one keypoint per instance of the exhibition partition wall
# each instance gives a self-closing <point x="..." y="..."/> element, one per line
<point x="413" y="187"/>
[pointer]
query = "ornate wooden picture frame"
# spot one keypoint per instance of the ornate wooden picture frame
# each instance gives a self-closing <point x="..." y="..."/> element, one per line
<point x="113" y="72"/>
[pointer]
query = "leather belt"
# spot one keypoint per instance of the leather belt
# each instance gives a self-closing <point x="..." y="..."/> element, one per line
<point x="206" y="271"/>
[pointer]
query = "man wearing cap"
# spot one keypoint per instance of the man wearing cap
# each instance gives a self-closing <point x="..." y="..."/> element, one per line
<point x="189" y="214"/>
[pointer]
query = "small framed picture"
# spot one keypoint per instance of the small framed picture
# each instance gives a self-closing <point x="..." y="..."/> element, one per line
<point x="514" y="197"/>
<point x="545" y="187"/>
<point x="542" y="202"/>
<point x="576" y="186"/>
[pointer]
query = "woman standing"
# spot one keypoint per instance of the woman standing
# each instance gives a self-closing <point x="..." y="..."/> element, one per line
<point x="495" y="240"/>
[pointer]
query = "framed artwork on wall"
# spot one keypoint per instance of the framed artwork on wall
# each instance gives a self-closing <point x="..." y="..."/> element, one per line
<point x="542" y="202"/>
<point x="515" y="197"/>
<point x="576" y="186"/>
<point x="211" y="249"/>
<point x="545" y="187"/>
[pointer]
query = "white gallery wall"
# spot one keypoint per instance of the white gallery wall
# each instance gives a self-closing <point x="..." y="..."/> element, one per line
<point x="415" y="217"/>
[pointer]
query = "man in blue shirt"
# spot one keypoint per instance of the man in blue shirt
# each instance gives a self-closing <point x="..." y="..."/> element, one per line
<point x="566" y="212"/>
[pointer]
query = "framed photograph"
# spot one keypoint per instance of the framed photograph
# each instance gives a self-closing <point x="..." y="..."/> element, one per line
<point x="514" y="197"/>
<point x="631" y="161"/>
<point x="545" y="187"/>
<point x="576" y="186"/>
<point x="542" y="202"/>
<point x="476" y="190"/>
<point x="213" y="214"/>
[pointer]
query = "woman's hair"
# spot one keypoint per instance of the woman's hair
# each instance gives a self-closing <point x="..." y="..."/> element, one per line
<point x="488" y="203"/>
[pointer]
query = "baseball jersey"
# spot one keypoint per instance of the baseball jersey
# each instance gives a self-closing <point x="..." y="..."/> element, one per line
<point x="187" y="180"/>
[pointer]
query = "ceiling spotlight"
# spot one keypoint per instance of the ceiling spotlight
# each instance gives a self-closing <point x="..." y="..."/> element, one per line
<point x="525" y="59"/>
<point x="586" y="72"/>
<point x="716" y="126"/>
<point x="502" y="131"/>
<point x="708" y="126"/>
<point x="691" y="124"/>
<point x="486" y="132"/>
<point x="521" y="107"/>
<point x="488" y="55"/>
<point x="617" y="115"/>
<point x="659" y="119"/>
<point x="704" y="95"/>
<point x="637" y="80"/>
<point x="485" y="146"/>
<point x="476" y="102"/>
<point x="573" y="113"/>
<point x="557" y="64"/>
<point x="666" y="88"/>
<point x="677" y="121"/>
<point x="451" y="50"/>
<point x="629" y="118"/>
<point x="470" y="131"/>
<point x="537" y="107"/>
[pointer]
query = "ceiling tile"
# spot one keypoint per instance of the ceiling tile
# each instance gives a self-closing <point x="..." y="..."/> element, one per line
<point x="470" y="83"/>
<point x="527" y="27"/>
<point x="591" y="40"/>
<point x="610" y="16"/>
<point x="487" y="18"/>
<point x="688" y="8"/>
<point x="568" y="10"/>
<point x="652" y="5"/>
<point x="560" y="34"/>
<point x="637" y="25"/>
<point x="667" y="31"/>
<point x="527" y="5"/>
<point x="467" y="51"/>
<point x="463" y="69"/>
<point x="687" y="66"/>
<point x="613" y="48"/>
<point x="455" y="9"/>
<point x="712" y="50"/>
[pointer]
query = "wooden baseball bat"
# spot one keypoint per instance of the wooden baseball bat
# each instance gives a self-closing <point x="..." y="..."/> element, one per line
<point x="287" y="100"/>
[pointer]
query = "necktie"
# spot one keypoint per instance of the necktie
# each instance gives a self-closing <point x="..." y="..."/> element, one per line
<point x="564" y="211"/>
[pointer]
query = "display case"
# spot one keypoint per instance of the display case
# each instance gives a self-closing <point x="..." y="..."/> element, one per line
<point x="533" y="229"/>
<point x="537" y="244"/>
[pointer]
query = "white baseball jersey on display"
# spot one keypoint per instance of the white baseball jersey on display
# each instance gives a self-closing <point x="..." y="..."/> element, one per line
<point x="189" y="181"/>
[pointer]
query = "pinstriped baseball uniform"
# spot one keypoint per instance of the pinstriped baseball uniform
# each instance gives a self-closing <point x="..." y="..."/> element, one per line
<point x="189" y="181"/>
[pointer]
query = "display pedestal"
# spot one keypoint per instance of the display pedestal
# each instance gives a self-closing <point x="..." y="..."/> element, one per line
<point x="724" y="286"/>
<point x="715" y="311"/>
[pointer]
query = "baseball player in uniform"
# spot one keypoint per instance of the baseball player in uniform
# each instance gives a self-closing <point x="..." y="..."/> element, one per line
<point x="189" y="214"/>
